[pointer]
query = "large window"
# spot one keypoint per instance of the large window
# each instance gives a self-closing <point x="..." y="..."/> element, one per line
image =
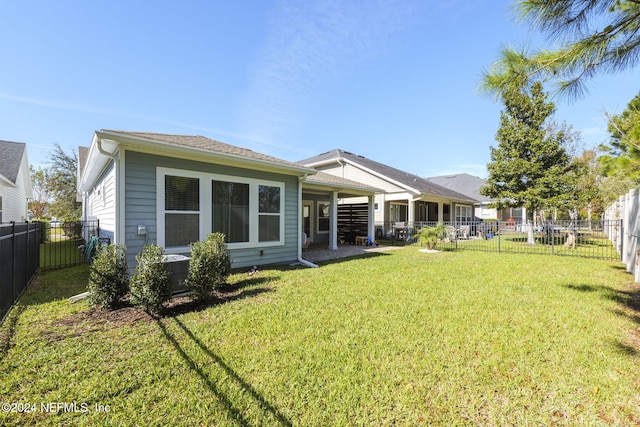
<point x="182" y="210"/>
<point x="397" y="212"/>
<point x="249" y="212"/>
<point x="230" y="210"/>
<point x="464" y="213"/>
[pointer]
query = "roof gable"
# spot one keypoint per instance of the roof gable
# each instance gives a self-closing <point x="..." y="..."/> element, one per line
<point x="406" y="179"/>
<point x="11" y="154"/>
<point x="463" y="183"/>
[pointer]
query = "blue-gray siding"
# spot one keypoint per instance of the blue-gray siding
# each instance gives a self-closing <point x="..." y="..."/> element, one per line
<point x="140" y="206"/>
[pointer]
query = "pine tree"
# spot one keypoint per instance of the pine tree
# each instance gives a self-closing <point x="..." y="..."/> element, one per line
<point x="589" y="37"/>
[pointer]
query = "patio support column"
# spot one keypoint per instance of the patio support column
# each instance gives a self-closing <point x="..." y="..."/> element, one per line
<point x="440" y="212"/>
<point x="371" y="225"/>
<point x="411" y="215"/>
<point x="333" y="221"/>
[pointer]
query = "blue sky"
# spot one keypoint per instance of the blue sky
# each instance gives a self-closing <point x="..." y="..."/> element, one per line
<point x="393" y="80"/>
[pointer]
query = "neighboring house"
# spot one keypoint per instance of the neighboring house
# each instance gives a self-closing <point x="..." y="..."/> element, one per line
<point x="470" y="186"/>
<point x="15" y="182"/>
<point x="172" y="190"/>
<point x="403" y="198"/>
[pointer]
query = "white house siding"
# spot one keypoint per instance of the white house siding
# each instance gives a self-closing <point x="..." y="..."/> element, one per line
<point x="140" y="206"/>
<point x="102" y="203"/>
<point x="14" y="199"/>
<point x="356" y="174"/>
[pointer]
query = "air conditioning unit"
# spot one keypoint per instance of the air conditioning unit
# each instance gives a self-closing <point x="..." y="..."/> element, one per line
<point x="178" y="267"/>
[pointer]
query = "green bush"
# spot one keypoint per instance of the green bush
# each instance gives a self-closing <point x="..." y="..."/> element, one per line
<point x="45" y="230"/>
<point x="209" y="266"/>
<point x="430" y="235"/>
<point x="72" y="229"/>
<point x="150" y="284"/>
<point x="108" y="277"/>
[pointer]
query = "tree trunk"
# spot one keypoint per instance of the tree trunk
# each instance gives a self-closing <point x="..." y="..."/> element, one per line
<point x="530" y="239"/>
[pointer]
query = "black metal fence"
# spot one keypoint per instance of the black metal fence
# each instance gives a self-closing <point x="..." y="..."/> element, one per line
<point x="64" y="244"/>
<point x="19" y="261"/>
<point x="588" y="239"/>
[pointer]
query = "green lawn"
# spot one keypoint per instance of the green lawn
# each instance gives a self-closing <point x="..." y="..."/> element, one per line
<point x="403" y="338"/>
<point x="60" y="252"/>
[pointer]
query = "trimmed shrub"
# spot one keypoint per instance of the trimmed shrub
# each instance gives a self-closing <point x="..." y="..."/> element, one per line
<point x="430" y="235"/>
<point x="108" y="277"/>
<point x="150" y="284"/>
<point x="209" y="266"/>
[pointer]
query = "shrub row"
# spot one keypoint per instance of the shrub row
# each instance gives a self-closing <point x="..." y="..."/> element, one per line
<point x="150" y="285"/>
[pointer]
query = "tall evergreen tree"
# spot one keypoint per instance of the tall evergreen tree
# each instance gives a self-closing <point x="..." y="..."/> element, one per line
<point x="63" y="184"/>
<point x="531" y="166"/>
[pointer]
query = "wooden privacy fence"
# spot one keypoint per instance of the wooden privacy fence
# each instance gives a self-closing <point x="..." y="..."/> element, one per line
<point x="19" y="261"/>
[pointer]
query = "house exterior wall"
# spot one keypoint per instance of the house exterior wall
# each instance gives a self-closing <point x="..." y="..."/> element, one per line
<point x="14" y="199"/>
<point x="101" y="202"/>
<point x="140" y="187"/>
<point x="354" y="173"/>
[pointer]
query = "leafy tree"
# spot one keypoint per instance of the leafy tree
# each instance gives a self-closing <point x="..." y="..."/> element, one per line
<point x="63" y="184"/>
<point x="531" y="166"/>
<point x="593" y="36"/>
<point x="621" y="157"/>
<point x="40" y="182"/>
<point x="589" y="194"/>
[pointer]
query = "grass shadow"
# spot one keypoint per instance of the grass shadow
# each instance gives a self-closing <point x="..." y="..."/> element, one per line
<point x="228" y="405"/>
<point x="365" y="255"/>
<point x="582" y="288"/>
<point x="235" y="412"/>
<point x="228" y="292"/>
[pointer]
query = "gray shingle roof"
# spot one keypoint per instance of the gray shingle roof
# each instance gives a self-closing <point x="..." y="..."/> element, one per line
<point x="405" y="178"/>
<point x="328" y="179"/>
<point x="464" y="183"/>
<point x="203" y="143"/>
<point x="10" y="159"/>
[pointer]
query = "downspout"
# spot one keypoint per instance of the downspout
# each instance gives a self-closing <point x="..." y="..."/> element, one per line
<point x="339" y="160"/>
<point x="116" y="163"/>
<point x="300" y="259"/>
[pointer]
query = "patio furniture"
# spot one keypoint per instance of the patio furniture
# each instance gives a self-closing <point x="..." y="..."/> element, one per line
<point x="399" y="230"/>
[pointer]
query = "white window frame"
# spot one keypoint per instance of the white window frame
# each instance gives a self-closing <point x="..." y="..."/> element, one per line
<point x="467" y="208"/>
<point x="205" y="226"/>
<point x="319" y="205"/>
<point x="161" y="211"/>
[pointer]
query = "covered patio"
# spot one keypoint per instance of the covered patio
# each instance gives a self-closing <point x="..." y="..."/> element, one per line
<point x="320" y="252"/>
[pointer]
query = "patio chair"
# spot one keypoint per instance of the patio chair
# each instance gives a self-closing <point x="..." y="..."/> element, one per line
<point x="451" y="233"/>
<point x="463" y="232"/>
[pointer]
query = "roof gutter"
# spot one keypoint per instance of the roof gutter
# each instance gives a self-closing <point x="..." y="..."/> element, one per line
<point x="241" y="160"/>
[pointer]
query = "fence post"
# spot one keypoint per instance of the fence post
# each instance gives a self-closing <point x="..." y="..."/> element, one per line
<point x="553" y="237"/>
<point x="13" y="259"/>
<point x="621" y="240"/>
<point x="26" y="253"/>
